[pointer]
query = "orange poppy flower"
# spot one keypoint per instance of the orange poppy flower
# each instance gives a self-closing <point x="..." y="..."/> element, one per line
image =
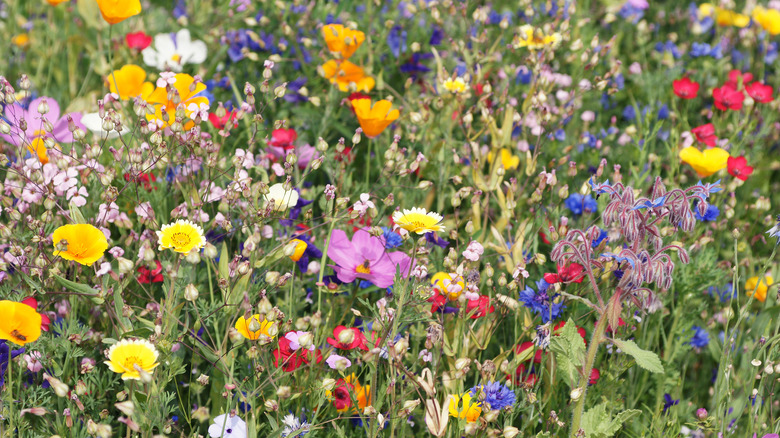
<point x="374" y="119"/>
<point x="20" y="323"/>
<point x="347" y="75"/>
<point x="116" y="11"/>
<point x="129" y="82"/>
<point x="342" y="40"/>
<point x="56" y="2"/>
<point x="187" y="96"/>
<point x="85" y="243"/>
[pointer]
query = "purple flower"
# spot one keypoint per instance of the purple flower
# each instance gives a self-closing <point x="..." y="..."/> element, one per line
<point x="365" y="258"/>
<point x="396" y="40"/>
<point x="6" y="354"/>
<point x="34" y="129"/>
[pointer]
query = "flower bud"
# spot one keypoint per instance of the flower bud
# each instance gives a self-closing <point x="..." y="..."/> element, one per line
<point x="510" y="432"/>
<point x="190" y="293"/>
<point x="328" y="384"/>
<point x="346" y="336"/>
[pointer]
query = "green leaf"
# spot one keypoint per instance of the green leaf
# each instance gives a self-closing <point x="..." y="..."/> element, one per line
<point x="645" y="359"/>
<point x="569" y="350"/>
<point x="543" y="435"/>
<point x="597" y="423"/>
<point x="81" y="289"/>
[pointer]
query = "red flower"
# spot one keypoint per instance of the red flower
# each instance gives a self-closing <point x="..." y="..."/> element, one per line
<point x="345" y="338"/>
<point x="145" y="178"/>
<point x="45" y="321"/>
<point x="525" y="346"/>
<point x="147" y="276"/>
<point x="728" y="97"/>
<point x="621" y="323"/>
<point x="594" y="376"/>
<point x="760" y="92"/>
<point x="220" y="122"/>
<point x="705" y="134"/>
<point x="138" y="40"/>
<point x="520" y="376"/>
<point x="437" y="302"/>
<point x="685" y="88"/>
<point x="283" y="138"/>
<point x="566" y="274"/>
<point x="735" y="75"/>
<point x="483" y="306"/>
<point x="738" y="168"/>
<point x="289" y="359"/>
<point x="341" y="398"/>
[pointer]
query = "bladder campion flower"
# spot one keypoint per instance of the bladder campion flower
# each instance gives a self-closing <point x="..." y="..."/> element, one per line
<point x="19" y="323"/>
<point x="374" y="119"/>
<point x="129" y="82"/>
<point x="463" y="408"/>
<point x="281" y="199"/>
<point x="182" y="236"/>
<point x="417" y="220"/>
<point x="455" y="86"/>
<point x="342" y="40"/>
<point x="129" y="356"/>
<point x="252" y="328"/>
<point x="761" y="288"/>
<point x="535" y="39"/>
<point x="82" y="243"/>
<point x="347" y="75"/>
<point x="116" y="11"/>
<point x="707" y="162"/>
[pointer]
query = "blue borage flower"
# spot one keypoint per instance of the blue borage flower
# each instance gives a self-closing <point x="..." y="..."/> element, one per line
<point x="496" y="395"/>
<point x="700" y="338"/>
<point x="579" y="204"/>
<point x="540" y="302"/>
<point x="657" y="202"/>
<point x="619" y="259"/>
<point x="601" y="237"/>
<point x="669" y="402"/>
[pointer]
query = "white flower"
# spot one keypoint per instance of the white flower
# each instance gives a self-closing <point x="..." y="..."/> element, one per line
<point x="196" y="111"/>
<point x="94" y="124"/>
<point x="166" y="78"/>
<point x="280" y="198"/>
<point x="474" y="251"/>
<point x="227" y="427"/>
<point x="293" y="426"/>
<point x="171" y="52"/>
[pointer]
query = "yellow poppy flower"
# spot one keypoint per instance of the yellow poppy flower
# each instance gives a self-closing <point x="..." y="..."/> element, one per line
<point x="263" y="328"/>
<point x="182" y="236"/>
<point x="187" y="96"/>
<point x="342" y="40"/>
<point x="347" y="76"/>
<point x="374" y="119"/>
<point x="752" y="282"/>
<point x="535" y="39"/>
<point x="85" y="244"/>
<point x="449" y="285"/>
<point x="300" y="249"/>
<point x="21" y="40"/>
<point x="127" y="354"/>
<point x="129" y="82"/>
<point x="20" y="323"/>
<point x="454" y="86"/>
<point x="465" y="410"/>
<point x="116" y="11"/>
<point x="705" y="163"/>
<point x="417" y="220"/>
<point x="38" y="147"/>
<point x="56" y="2"/>
<point x="768" y="19"/>
<point x="508" y="160"/>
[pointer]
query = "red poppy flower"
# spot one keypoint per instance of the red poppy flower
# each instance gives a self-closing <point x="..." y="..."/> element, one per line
<point x="147" y="276"/>
<point x="348" y="338"/>
<point x="594" y="376"/>
<point x="520" y="376"/>
<point x="482" y="304"/>
<point x="283" y="138"/>
<point x="45" y="321"/>
<point x="220" y="122"/>
<point x="705" y="134"/>
<point x="525" y="346"/>
<point x="341" y="398"/>
<point x="437" y="302"/>
<point x="685" y="88"/>
<point x="738" y="168"/>
<point x="735" y="75"/>
<point x="289" y="359"/>
<point x="621" y="323"/>
<point x="728" y="97"/>
<point x="145" y="178"/>
<point x="566" y="274"/>
<point x="138" y="40"/>
<point x="760" y="92"/>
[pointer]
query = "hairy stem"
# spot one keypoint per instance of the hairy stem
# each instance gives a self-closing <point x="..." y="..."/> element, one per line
<point x="595" y="341"/>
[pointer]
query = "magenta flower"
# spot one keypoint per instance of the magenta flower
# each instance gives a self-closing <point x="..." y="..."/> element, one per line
<point x="365" y="258"/>
<point x="34" y="120"/>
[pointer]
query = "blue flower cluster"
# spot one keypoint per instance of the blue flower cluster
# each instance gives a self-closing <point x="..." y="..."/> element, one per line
<point x="540" y="302"/>
<point x="497" y="396"/>
<point x="579" y="204"/>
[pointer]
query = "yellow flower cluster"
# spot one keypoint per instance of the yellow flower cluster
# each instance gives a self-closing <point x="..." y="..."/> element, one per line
<point x="535" y="39"/>
<point x="343" y="42"/>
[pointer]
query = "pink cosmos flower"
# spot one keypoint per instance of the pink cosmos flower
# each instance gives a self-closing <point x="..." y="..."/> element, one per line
<point x="365" y="257"/>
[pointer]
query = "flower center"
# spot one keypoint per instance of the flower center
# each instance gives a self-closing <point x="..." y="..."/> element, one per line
<point x="130" y="363"/>
<point x="176" y="58"/>
<point x="180" y="239"/>
<point x="364" y="268"/>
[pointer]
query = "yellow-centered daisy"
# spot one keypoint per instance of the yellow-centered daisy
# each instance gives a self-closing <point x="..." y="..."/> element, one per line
<point x="181" y="236"/>
<point x="128" y="356"/>
<point x="455" y="86"/>
<point x="417" y="220"/>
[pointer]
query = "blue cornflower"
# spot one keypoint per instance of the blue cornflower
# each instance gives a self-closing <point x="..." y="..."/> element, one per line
<point x="631" y="12"/>
<point x="540" y="302"/>
<point x="579" y="204"/>
<point x="396" y="40"/>
<point x="497" y="396"/>
<point x="392" y="239"/>
<point x="524" y="75"/>
<point x="180" y="10"/>
<point x="710" y="215"/>
<point x="663" y="112"/>
<point x="700" y="338"/>
<point x="560" y="135"/>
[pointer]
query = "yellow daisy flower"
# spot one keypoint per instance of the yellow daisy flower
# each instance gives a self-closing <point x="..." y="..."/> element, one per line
<point x="182" y="236"/>
<point x="465" y="410"/>
<point x="82" y="243"/>
<point x="129" y="355"/>
<point x="535" y="39"/>
<point x="417" y="220"/>
<point x="245" y="326"/>
<point x="455" y="86"/>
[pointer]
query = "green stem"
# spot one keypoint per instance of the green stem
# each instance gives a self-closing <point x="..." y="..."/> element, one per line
<point x="595" y="340"/>
<point x="368" y="164"/>
<point x="10" y="383"/>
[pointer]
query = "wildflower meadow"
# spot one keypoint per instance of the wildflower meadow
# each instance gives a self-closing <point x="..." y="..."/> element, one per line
<point x="375" y="218"/>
